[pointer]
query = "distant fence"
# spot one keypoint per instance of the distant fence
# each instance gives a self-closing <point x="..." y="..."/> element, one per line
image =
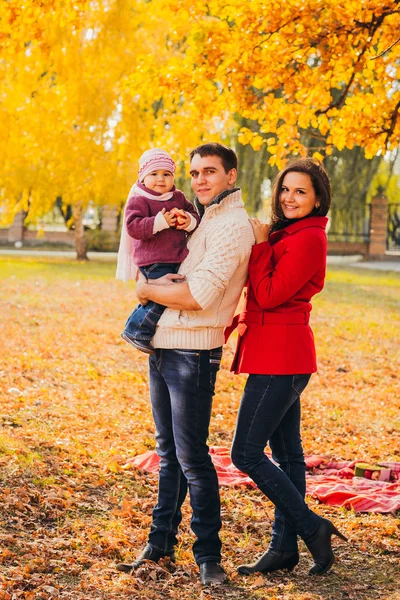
<point x="350" y="224"/>
<point x="393" y="227"/>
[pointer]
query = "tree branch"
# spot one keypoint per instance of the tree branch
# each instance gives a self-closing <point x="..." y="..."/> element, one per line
<point x="389" y="130"/>
<point x="340" y="101"/>
<point x="271" y="33"/>
<point x="387" y="50"/>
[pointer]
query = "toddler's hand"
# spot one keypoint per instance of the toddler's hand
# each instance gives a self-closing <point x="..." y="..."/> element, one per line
<point x="183" y="221"/>
<point x="182" y="218"/>
<point x="169" y="217"/>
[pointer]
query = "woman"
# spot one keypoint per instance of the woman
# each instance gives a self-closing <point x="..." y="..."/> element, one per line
<point x="276" y="347"/>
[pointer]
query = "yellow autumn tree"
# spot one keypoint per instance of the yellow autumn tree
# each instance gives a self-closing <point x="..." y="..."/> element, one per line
<point x="62" y="64"/>
<point x="290" y="66"/>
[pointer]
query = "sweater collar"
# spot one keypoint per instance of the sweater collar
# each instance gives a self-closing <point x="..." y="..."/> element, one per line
<point x="298" y="225"/>
<point x="215" y="201"/>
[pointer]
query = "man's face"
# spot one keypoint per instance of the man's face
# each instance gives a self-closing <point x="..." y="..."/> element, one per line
<point x="209" y="177"/>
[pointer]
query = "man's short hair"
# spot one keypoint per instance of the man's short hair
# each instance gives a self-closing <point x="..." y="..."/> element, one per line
<point x="227" y="155"/>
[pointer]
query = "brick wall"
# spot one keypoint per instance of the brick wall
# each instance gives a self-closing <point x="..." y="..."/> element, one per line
<point x="16" y="231"/>
<point x="378" y="228"/>
<point x="51" y="237"/>
<point x="347" y="248"/>
<point x="109" y="219"/>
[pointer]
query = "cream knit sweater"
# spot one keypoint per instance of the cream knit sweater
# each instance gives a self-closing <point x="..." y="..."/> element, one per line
<point x="216" y="270"/>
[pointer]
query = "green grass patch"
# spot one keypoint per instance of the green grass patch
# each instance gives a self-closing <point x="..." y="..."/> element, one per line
<point x="357" y="277"/>
<point x="27" y="267"/>
<point x="361" y="288"/>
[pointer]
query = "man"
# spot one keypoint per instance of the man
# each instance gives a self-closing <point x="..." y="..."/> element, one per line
<point x="201" y="301"/>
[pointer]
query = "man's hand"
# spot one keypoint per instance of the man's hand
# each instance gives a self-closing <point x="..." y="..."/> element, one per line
<point x="168" y="279"/>
<point x="169" y="217"/>
<point x="261" y="230"/>
<point x="140" y="292"/>
<point x="142" y="286"/>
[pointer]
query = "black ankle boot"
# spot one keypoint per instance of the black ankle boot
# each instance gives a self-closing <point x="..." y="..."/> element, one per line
<point x="272" y="560"/>
<point x="320" y="546"/>
<point x="211" y="573"/>
<point x="149" y="553"/>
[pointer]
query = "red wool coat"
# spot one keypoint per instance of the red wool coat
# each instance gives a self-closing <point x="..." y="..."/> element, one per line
<point x="284" y="274"/>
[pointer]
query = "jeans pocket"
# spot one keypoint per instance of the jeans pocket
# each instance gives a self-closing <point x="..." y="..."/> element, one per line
<point x="216" y="356"/>
<point x="299" y="382"/>
<point x="149" y="270"/>
<point x="215" y="363"/>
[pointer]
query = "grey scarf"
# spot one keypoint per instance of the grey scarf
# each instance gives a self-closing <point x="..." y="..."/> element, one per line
<point x="200" y="208"/>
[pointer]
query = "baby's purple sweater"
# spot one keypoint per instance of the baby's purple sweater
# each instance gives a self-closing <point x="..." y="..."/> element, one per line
<point x="166" y="246"/>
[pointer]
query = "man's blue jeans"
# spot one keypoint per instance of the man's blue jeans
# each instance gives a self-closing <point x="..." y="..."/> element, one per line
<point x="181" y="391"/>
<point x="270" y="412"/>
<point x="142" y="322"/>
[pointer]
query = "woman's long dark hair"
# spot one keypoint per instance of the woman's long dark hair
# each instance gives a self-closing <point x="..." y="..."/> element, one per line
<point x="320" y="182"/>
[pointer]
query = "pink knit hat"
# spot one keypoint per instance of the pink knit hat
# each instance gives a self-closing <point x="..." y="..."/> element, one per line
<point x="155" y="159"/>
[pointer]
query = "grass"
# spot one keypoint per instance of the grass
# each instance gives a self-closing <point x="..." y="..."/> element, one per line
<point x="75" y="408"/>
<point x="26" y="268"/>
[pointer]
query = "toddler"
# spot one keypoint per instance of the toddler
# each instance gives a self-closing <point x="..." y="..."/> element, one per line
<point x="157" y="218"/>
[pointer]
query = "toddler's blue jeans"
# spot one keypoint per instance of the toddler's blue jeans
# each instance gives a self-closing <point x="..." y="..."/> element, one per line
<point x="142" y="322"/>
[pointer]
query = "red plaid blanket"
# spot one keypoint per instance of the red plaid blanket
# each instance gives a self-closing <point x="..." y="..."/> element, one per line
<point x="330" y="481"/>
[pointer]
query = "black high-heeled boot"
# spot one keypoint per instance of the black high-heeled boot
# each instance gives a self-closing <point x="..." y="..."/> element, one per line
<point x="272" y="560"/>
<point x="320" y="546"/>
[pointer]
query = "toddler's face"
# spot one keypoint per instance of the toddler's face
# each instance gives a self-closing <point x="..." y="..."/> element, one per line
<point x="160" y="181"/>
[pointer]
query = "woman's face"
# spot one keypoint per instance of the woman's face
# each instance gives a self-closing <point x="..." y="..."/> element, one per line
<point x="297" y="195"/>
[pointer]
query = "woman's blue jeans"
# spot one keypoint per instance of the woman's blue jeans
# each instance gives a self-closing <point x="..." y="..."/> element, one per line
<point x="270" y="412"/>
<point x="181" y="391"/>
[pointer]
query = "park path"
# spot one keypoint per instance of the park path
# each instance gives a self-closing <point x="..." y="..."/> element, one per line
<point x="391" y="264"/>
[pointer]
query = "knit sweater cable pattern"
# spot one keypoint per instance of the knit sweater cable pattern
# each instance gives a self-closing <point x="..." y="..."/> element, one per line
<point x="216" y="270"/>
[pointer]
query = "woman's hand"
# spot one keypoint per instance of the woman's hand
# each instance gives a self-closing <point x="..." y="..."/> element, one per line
<point x="261" y="230"/>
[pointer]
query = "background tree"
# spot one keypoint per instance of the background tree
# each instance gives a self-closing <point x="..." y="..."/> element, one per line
<point x="66" y="62"/>
<point x="291" y="66"/>
<point x="87" y="87"/>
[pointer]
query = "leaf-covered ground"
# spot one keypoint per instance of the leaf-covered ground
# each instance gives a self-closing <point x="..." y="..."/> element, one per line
<point x="74" y="409"/>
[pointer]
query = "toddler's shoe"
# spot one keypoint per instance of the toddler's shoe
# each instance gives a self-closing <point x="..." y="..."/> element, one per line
<point x="142" y="345"/>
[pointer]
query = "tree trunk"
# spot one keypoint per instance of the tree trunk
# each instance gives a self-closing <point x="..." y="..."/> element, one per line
<point x="80" y="239"/>
<point x="253" y="169"/>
